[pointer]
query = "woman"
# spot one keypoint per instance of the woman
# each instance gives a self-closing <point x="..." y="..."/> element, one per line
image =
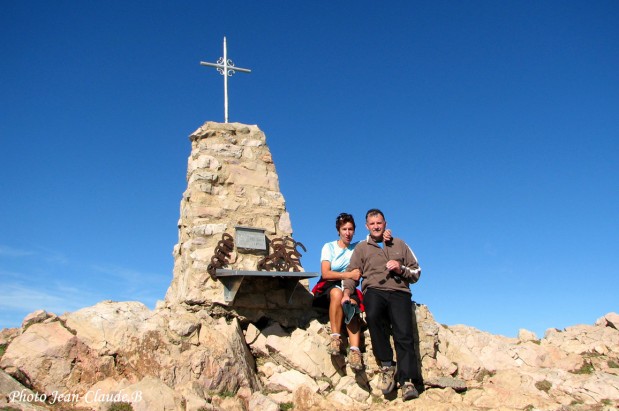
<point x="335" y="257"/>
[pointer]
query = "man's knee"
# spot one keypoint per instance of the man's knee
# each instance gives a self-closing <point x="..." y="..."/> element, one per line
<point x="373" y="316"/>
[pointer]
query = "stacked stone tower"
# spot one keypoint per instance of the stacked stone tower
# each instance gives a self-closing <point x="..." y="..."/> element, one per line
<point x="231" y="182"/>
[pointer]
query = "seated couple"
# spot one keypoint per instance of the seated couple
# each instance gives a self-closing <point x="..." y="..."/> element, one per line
<point x="387" y="267"/>
<point x="328" y="292"/>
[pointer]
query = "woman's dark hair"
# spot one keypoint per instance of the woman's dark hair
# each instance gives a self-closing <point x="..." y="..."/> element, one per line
<point x="344" y="218"/>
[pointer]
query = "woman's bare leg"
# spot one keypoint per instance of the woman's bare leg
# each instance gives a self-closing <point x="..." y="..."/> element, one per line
<point x="336" y="314"/>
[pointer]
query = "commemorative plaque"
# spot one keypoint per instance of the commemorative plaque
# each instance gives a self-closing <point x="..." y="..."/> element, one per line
<point x="250" y="239"/>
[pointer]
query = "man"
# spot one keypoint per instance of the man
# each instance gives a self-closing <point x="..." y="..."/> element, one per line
<point x="387" y="269"/>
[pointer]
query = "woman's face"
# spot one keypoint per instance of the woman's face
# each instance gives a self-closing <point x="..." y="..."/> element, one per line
<point x="346" y="231"/>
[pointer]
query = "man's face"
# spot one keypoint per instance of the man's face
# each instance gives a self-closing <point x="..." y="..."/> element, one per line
<point x="376" y="226"/>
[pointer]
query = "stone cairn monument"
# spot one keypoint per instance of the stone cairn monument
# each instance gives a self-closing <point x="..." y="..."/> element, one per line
<point x="233" y="188"/>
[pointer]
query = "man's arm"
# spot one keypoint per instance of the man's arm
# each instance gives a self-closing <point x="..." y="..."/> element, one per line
<point x="410" y="270"/>
<point x="330" y="275"/>
<point x="350" y="284"/>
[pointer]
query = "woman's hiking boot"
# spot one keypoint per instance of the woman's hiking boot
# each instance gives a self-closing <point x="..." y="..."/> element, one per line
<point x="355" y="360"/>
<point x="335" y="345"/>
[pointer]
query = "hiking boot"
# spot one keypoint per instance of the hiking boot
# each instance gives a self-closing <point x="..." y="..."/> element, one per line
<point x="355" y="360"/>
<point x="386" y="383"/>
<point x="335" y="345"/>
<point x="409" y="392"/>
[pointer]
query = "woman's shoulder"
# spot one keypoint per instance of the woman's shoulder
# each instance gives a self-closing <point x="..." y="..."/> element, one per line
<point x="329" y="247"/>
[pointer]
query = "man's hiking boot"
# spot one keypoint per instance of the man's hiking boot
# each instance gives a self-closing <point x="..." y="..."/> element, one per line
<point x="409" y="392"/>
<point x="335" y="345"/>
<point x="386" y="382"/>
<point x="355" y="360"/>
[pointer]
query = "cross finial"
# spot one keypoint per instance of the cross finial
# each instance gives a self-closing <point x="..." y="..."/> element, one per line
<point x="226" y="68"/>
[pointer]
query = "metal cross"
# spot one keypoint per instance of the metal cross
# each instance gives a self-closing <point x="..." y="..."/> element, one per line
<point x="226" y="68"/>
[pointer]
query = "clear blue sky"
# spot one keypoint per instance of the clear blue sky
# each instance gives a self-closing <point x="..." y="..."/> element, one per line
<point x="486" y="131"/>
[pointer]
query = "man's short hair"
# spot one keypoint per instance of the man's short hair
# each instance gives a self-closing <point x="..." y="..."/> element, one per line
<point x="372" y="212"/>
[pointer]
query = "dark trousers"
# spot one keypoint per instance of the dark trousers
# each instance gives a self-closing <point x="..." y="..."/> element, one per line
<point x="396" y="309"/>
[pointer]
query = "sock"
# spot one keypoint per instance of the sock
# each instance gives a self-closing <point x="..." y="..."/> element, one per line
<point x="335" y="335"/>
<point x="352" y="347"/>
<point x="386" y="363"/>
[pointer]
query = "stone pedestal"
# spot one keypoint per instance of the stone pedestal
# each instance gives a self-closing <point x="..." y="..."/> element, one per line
<point x="231" y="181"/>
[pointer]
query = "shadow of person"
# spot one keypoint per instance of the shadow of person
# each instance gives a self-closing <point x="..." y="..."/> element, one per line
<point x="418" y="377"/>
<point x="362" y="380"/>
<point x="393" y="395"/>
<point x="339" y="363"/>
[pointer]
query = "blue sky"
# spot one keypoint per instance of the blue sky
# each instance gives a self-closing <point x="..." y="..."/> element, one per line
<point x="486" y="131"/>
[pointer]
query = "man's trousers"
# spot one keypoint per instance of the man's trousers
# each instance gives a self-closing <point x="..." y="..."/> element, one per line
<point x="394" y="308"/>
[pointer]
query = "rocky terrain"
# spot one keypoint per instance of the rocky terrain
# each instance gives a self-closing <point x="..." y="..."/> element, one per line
<point x="266" y="349"/>
<point x="174" y="359"/>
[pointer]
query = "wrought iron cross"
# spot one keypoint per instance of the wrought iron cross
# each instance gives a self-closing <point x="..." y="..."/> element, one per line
<point x="226" y="68"/>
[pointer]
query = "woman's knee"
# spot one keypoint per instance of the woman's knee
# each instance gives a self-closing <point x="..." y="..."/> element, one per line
<point x="336" y="295"/>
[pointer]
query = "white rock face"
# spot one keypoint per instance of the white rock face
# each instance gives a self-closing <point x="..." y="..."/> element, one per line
<point x="110" y="327"/>
<point x="48" y="357"/>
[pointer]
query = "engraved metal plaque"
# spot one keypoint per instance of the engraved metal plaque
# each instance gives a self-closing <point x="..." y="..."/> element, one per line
<point x="250" y="238"/>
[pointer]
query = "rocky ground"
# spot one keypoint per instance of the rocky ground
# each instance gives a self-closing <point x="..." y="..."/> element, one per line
<point x="185" y="358"/>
